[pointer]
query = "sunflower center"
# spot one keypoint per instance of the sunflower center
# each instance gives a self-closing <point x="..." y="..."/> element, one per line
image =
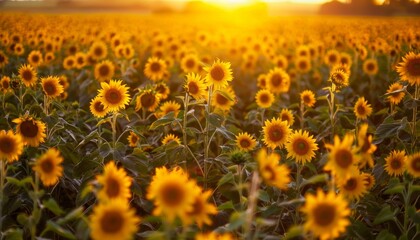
<point x="28" y="128"/>
<point x="147" y="100"/>
<point x="104" y="70"/>
<point x="276" y="134"/>
<point x="35" y="58"/>
<point x="270" y="171"/>
<point x="70" y="62"/>
<point x="221" y="100"/>
<point x="351" y="184"/>
<point x="2" y="58"/>
<point x="217" y="73"/>
<point x="47" y="166"/>
<point x="361" y="110"/>
<point x="413" y="67"/>
<point x="98" y="51"/>
<point x="5" y="84"/>
<point x="112" y="187"/>
<point x="324" y="214"/>
<point x="395" y="164"/>
<point x="264" y="98"/>
<point x="6" y="145"/>
<point x="300" y="146"/>
<point x="173" y="194"/>
<point x="193" y="88"/>
<point x="27" y="75"/>
<point x="190" y="63"/>
<point x="112" y="222"/>
<point x="134" y="139"/>
<point x="49" y="88"/>
<point x="113" y="96"/>
<point x="307" y="99"/>
<point x="303" y="65"/>
<point x="370" y="67"/>
<point x="244" y="143"/>
<point x="344" y="158"/>
<point x="155" y="67"/>
<point x="276" y="80"/>
<point x="332" y="58"/>
<point x="415" y="164"/>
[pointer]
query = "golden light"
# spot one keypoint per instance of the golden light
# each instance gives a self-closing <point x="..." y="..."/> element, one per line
<point x="230" y="3"/>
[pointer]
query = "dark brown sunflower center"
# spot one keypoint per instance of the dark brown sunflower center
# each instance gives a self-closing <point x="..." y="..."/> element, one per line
<point x="2" y="58"/>
<point x="264" y="98"/>
<point x="370" y="67"/>
<point x="112" y="222"/>
<point x="5" y="84"/>
<point x="395" y="163"/>
<point x="217" y="73"/>
<point x="276" y="133"/>
<point x="113" y="96"/>
<point x="415" y="164"/>
<point x="280" y="64"/>
<point x="303" y="65"/>
<point x="72" y="50"/>
<point x="112" y="187"/>
<point x="134" y="139"/>
<point x="98" y="51"/>
<point x="27" y="75"/>
<point x="245" y="143"/>
<point x="285" y="117"/>
<point x="324" y="214"/>
<point x="29" y="128"/>
<point x="361" y="110"/>
<point x="147" y="100"/>
<point x="104" y="70"/>
<point x="193" y="88"/>
<point x="47" y="166"/>
<point x="190" y="63"/>
<point x="155" y="67"/>
<point x="99" y="107"/>
<point x="221" y="100"/>
<point x="307" y="99"/>
<point x="173" y="194"/>
<point x="300" y="146"/>
<point x="35" y="58"/>
<point x="344" y="61"/>
<point x="70" y="62"/>
<point x="344" y="158"/>
<point x="332" y="58"/>
<point x="351" y="184"/>
<point x="7" y="145"/>
<point x="276" y="80"/>
<point x="413" y="67"/>
<point x="80" y="60"/>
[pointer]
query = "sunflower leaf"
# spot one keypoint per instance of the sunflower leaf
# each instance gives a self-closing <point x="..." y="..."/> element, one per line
<point x="386" y="214"/>
<point x="52" y="205"/>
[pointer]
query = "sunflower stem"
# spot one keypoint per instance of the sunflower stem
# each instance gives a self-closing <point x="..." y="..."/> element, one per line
<point x="332" y="115"/>
<point x="206" y="136"/>
<point x="298" y="180"/>
<point x="3" y="173"/>
<point x="184" y="122"/>
<point x="35" y="214"/>
<point x="407" y="197"/>
<point x="252" y="204"/>
<point x="114" y="133"/>
<point x="262" y="116"/>
<point x="414" y="129"/>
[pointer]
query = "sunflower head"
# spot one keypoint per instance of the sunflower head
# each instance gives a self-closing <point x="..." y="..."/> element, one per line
<point x="332" y="57"/>
<point x="409" y="68"/>
<point x="168" y="107"/>
<point x="307" y="98"/>
<point x="276" y="133"/>
<point x="224" y="99"/>
<point x="413" y="164"/>
<point x="28" y="75"/>
<point x="264" y="98"/>
<point x="303" y="64"/>
<point x="104" y="71"/>
<point x="272" y="173"/>
<point x="98" y="50"/>
<point x="195" y="86"/>
<point x="190" y="63"/>
<point x="5" y="84"/>
<point x="245" y="142"/>
<point x="201" y="208"/>
<point x="353" y="187"/>
<point x="262" y="81"/>
<point x="219" y="74"/>
<point x="395" y="93"/>
<point x="48" y="167"/>
<point x="133" y="139"/>
<point x="4" y="60"/>
<point x="155" y="69"/>
<point x="287" y="115"/>
<point x="169" y="138"/>
<point x="97" y="108"/>
<point x="362" y="109"/>
<point x="51" y="86"/>
<point x="11" y="146"/>
<point x="114" y="95"/>
<point x="35" y="58"/>
<point x="69" y="62"/>
<point x="339" y="78"/>
<point x="369" y="180"/>
<point x="278" y="81"/>
<point x="163" y="90"/>
<point x="31" y="130"/>
<point x="115" y="183"/>
<point x="370" y="67"/>
<point x="301" y="146"/>
<point x="147" y="100"/>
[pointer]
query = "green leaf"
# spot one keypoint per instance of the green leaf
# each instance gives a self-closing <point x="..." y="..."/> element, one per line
<point x="163" y="121"/>
<point x="19" y="183"/>
<point x="226" y="206"/>
<point x="264" y="196"/>
<point x="315" y="179"/>
<point x="386" y="235"/>
<point x="386" y="130"/>
<point x="225" y="179"/>
<point x="293" y="232"/>
<point x="76" y="213"/>
<point x="413" y="214"/>
<point x="237" y="219"/>
<point x="52" y="226"/>
<point x="23" y="219"/>
<point x="395" y="189"/>
<point x="386" y="214"/>
<point x="13" y="234"/>
<point x="215" y="119"/>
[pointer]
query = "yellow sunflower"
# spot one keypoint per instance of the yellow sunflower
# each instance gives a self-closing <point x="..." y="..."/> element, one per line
<point x="353" y="187"/>
<point x="19" y="50"/>
<point x="171" y="138"/>
<point x="51" y="86"/>
<point x="223" y="99"/>
<point x="190" y="63"/>
<point x="195" y="86"/>
<point x="35" y="58"/>
<point x="342" y="158"/>
<point x="31" y="130"/>
<point x="213" y="236"/>
<point x="264" y="98"/>
<point x="332" y="57"/>
<point x="201" y="208"/>
<point x="367" y="148"/>
<point x="369" y="180"/>
<point x="219" y="74"/>
<point x="413" y="164"/>
<point x="147" y="100"/>
<point x="301" y="146"/>
<point x="307" y="97"/>
<point x="370" y="67"/>
<point x="98" y="50"/>
<point x="133" y="139"/>
<point x="69" y="62"/>
<point x="395" y="163"/>
<point x="115" y="183"/>
<point x="303" y="64"/>
<point x="11" y="146"/>
<point x="49" y="57"/>
<point x="171" y="193"/>
<point x="163" y="90"/>
<point x="104" y="71"/>
<point x="113" y="220"/>
<point x="345" y="59"/>
<point x="80" y="59"/>
<point x="395" y="97"/>
<point x="409" y="68"/>
<point x="48" y="167"/>
<point x="28" y="75"/>
<point x="343" y="68"/>
<point x="167" y="107"/>
<point x="276" y="133"/>
<point x="262" y="81"/>
<point x="4" y="60"/>
<point x="114" y="95"/>
<point x="326" y="214"/>
<point x="97" y="108"/>
<point x="245" y="142"/>
<point x="278" y="81"/>
<point x="287" y="115"/>
<point x="5" y="84"/>
<point x="280" y="61"/>
<point x="362" y="109"/>
<point x="155" y="69"/>
<point x="272" y="173"/>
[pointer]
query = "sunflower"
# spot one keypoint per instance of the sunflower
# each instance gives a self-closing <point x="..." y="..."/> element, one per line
<point x="147" y="100"/>
<point x="272" y="173"/>
<point x="287" y="115"/>
<point x="171" y="193"/>
<point x="339" y="78"/>
<point x="362" y="109"/>
<point x="35" y="58"/>
<point x="80" y="60"/>
<point x="213" y="236"/>
<point x="51" y="86"/>
<point x="307" y="97"/>
<point x="49" y="57"/>
<point x="327" y="214"/>
<point x="115" y="183"/>
<point x="413" y="165"/>
<point x="48" y="167"/>
<point x="155" y="69"/>
<point x="369" y="180"/>
<point x="301" y="146"/>
<point x="219" y="74"/>
<point x="133" y="139"/>
<point x="264" y="98"/>
<point x="342" y="159"/>
<point x="245" y="142"/>
<point x="5" y="84"/>
<point x="353" y="187"/>
<point x="163" y="90"/>
<point x="195" y="86"/>
<point x="345" y="59"/>
<point x="19" y="50"/>
<point x="28" y="75"/>
<point x="97" y="108"/>
<point x="395" y="93"/>
<point x="4" y="60"/>
<point x="262" y="81"/>
<point x="190" y="63"/>
<point x="114" y="95"/>
<point x="69" y="62"/>
<point x="341" y="67"/>
<point x="98" y="50"/>
<point x="395" y="163"/>
<point x="11" y="146"/>
<point x="167" y="107"/>
<point x="104" y="71"/>
<point x="280" y="61"/>
<point x="201" y="208"/>
<point x="370" y="67"/>
<point x="332" y="57"/>
<point x="276" y="133"/>
<point x="278" y="81"/>
<point x="113" y="220"/>
<point x="409" y="68"/>
<point x="31" y="130"/>
<point x="303" y="64"/>
<point x="367" y="148"/>
<point x="223" y="99"/>
<point x="171" y="138"/>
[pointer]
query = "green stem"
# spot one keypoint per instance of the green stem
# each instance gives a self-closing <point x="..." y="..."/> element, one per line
<point x="407" y="198"/>
<point x="413" y="130"/>
<point x="239" y="170"/>
<point x="3" y="172"/>
<point x="35" y="214"/>
<point x="252" y="204"/>
<point x="332" y="120"/>
<point x="184" y="122"/>
<point x="114" y="133"/>
<point x="206" y="137"/>
<point x="298" y="181"/>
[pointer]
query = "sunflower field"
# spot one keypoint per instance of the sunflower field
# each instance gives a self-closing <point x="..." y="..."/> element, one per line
<point x="132" y="126"/>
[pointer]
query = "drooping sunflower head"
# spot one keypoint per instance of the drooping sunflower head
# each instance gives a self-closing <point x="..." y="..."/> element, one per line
<point x="342" y="158"/>
<point x="370" y="67"/>
<point x="413" y="164"/>
<point x="115" y="183"/>
<point x="219" y="74"/>
<point x="167" y="107"/>
<point x="171" y="138"/>
<point x="224" y="99"/>
<point x="339" y="78"/>
<point x="113" y="219"/>
<point x="396" y="93"/>
<point x="97" y="108"/>
<point x="195" y="86"/>
<point x="28" y="75"/>
<point x="273" y="173"/>
<point x="35" y="58"/>
<point x="5" y="84"/>
<point x="51" y="86"/>
<point x="353" y="187"/>
<point x="278" y="81"/>
<point x="162" y="89"/>
<point x="287" y="115"/>
<point x="366" y="147"/>
<point x="409" y="68"/>
<point x="11" y="146"/>
<point x="104" y="71"/>
<point x="31" y="130"/>
<point x="307" y="98"/>
<point x="326" y="214"/>
<point x="245" y="142"/>
<point x="264" y="98"/>
<point x="301" y="146"/>
<point x="276" y="133"/>
<point x="48" y="167"/>
<point x="155" y="69"/>
<point x="133" y="139"/>
<point x="362" y="109"/>
<point x="147" y="100"/>
<point x="114" y="95"/>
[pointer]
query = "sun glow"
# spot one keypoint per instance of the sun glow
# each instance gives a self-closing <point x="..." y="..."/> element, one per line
<point x="230" y="3"/>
